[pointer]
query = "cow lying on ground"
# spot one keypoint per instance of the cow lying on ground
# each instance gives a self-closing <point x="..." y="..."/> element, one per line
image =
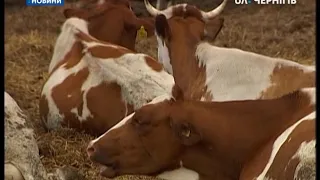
<point x="109" y="21"/>
<point x="96" y="84"/>
<point x="22" y="159"/>
<point x="160" y="4"/>
<point x="210" y="73"/>
<point x="262" y="139"/>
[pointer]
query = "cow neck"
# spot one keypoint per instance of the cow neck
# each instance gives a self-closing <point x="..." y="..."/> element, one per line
<point x="233" y="132"/>
<point x="187" y="72"/>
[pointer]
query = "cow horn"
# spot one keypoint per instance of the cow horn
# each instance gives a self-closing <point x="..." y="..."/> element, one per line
<point x="214" y="12"/>
<point x="153" y="11"/>
<point x="161" y="4"/>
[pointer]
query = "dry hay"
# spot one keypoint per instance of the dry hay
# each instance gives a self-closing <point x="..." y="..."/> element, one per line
<point x="285" y="31"/>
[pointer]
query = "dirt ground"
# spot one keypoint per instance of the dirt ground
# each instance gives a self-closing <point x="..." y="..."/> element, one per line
<point x="286" y="31"/>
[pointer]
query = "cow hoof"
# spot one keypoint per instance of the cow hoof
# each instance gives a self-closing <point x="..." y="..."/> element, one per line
<point x="11" y="172"/>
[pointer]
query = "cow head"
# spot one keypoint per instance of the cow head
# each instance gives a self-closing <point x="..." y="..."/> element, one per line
<point x="111" y="21"/>
<point x="147" y="142"/>
<point x="183" y="26"/>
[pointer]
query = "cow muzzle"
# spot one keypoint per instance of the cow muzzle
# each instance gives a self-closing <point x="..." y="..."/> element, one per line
<point x="108" y="168"/>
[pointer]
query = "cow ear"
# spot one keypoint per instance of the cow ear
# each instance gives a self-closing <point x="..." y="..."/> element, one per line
<point x="177" y="93"/>
<point x="212" y="28"/>
<point x="162" y="27"/>
<point x="185" y="132"/>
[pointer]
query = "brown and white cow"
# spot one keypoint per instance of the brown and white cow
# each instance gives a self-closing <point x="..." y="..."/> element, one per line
<point x="110" y="21"/>
<point x="95" y="84"/>
<point x="160" y="4"/>
<point x="194" y="140"/>
<point x="211" y="73"/>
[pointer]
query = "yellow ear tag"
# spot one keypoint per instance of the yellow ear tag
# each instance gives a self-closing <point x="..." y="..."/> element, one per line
<point x="142" y="33"/>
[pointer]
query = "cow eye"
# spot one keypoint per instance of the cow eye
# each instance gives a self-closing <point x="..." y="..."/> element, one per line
<point x="139" y="122"/>
<point x="135" y="120"/>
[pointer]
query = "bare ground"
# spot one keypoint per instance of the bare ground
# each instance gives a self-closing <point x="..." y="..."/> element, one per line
<point x="286" y="31"/>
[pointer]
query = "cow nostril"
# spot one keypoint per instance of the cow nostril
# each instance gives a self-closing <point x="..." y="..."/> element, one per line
<point x="90" y="149"/>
